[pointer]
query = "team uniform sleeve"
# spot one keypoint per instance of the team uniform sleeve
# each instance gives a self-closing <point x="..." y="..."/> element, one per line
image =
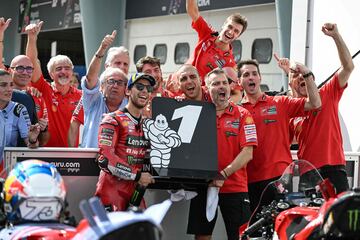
<point x="332" y="89"/>
<point x="24" y="122"/>
<point x="78" y="114"/>
<point x="247" y="128"/>
<point x="108" y="161"/>
<point x="294" y="107"/>
<point x="202" y="28"/>
<point x="43" y="86"/>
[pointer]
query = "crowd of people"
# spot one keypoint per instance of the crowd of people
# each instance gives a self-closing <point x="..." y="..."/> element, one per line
<point x="254" y="130"/>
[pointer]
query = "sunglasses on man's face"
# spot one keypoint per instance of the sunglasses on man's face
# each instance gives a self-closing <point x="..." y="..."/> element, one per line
<point x="22" y="69"/>
<point x="140" y="87"/>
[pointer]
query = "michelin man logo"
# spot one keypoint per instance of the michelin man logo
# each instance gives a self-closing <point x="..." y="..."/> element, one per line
<point x="162" y="140"/>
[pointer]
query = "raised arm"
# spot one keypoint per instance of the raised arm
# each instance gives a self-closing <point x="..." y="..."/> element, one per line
<point x="313" y="100"/>
<point x="32" y="31"/>
<point x="347" y="65"/>
<point x="3" y="26"/>
<point x="95" y="64"/>
<point x="192" y="9"/>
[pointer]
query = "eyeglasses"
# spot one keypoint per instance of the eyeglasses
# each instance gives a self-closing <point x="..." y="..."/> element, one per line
<point x="140" y="87"/>
<point x="117" y="82"/>
<point x="22" y="69"/>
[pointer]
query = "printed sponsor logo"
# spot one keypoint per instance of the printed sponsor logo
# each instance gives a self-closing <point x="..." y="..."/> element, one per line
<point x="133" y="160"/>
<point x="123" y="167"/>
<point x="250" y="133"/>
<point x="354" y="223"/>
<point x="229" y="134"/>
<point x="70" y="167"/>
<point x="137" y="141"/>
<point x="107" y="130"/>
<point x="267" y="121"/>
<point x="105" y="142"/>
<point x="106" y="136"/>
<point x="232" y="124"/>
<point x="271" y="110"/>
<point x="249" y="120"/>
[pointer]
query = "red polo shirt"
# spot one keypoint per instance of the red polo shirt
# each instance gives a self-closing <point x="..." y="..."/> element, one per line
<point x="272" y="115"/>
<point x="319" y="133"/>
<point x="206" y="55"/>
<point x="235" y="130"/>
<point x="78" y="114"/>
<point x="60" y="110"/>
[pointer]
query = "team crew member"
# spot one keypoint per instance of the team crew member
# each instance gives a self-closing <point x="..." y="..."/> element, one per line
<point x="15" y="119"/>
<point x="21" y="69"/>
<point x="214" y="49"/>
<point x="151" y="66"/>
<point x="123" y="145"/>
<point x="272" y="116"/>
<point x="61" y="99"/>
<point x="77" y="119"/>
<point x="324" y="148"/>
<point x="236" y="137"/>
<point x="190" y="84"/>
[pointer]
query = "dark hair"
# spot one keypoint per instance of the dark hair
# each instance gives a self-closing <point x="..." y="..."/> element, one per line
<point x="146" y="60"/>
<point x="4" y="73"/>
<point x="216" y="71"/>
<point x="239" y="19"/>
<point x="247" y="62"/>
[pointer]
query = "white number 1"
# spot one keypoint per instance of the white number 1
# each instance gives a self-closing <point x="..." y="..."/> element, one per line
<point x="190" y="115"/>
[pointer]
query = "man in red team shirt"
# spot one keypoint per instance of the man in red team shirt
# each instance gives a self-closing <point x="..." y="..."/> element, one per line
<point x="318" y="133"/>
<point x="61" y="99"/>
<point x="190" y="84"/>
<point x="236" y="137"/>
<point x="213" y="49"/>
<point x="272" y="115"/>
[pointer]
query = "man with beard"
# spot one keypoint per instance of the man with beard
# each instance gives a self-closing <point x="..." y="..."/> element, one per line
<point x="318" y="133"/>
<point x="272" y="115"/>
<point x="151" y="66"/>
<point x="213" y="49"/>
<point x="61" y="99"/>
<point x="190" y="84"/>
<point x="236" y="137"/>
<point x="122" y="147"/>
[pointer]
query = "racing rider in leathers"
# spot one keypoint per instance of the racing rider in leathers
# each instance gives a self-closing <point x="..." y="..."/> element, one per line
<point x="122" y="147"/>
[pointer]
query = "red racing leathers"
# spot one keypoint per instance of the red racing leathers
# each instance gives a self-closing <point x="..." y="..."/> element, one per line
<point x="122" y="150"/>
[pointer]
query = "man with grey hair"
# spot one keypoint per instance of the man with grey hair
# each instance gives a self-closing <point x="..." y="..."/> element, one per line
<point x="98" y="98"/>
<point x="61" y="99"/>
<point x="107" y="96"/>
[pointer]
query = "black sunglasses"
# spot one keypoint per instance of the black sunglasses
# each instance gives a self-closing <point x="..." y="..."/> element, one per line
<point x="140" y="87"/>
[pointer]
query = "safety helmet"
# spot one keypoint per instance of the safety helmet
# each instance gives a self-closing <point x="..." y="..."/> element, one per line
<point x="34" y="191"/>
